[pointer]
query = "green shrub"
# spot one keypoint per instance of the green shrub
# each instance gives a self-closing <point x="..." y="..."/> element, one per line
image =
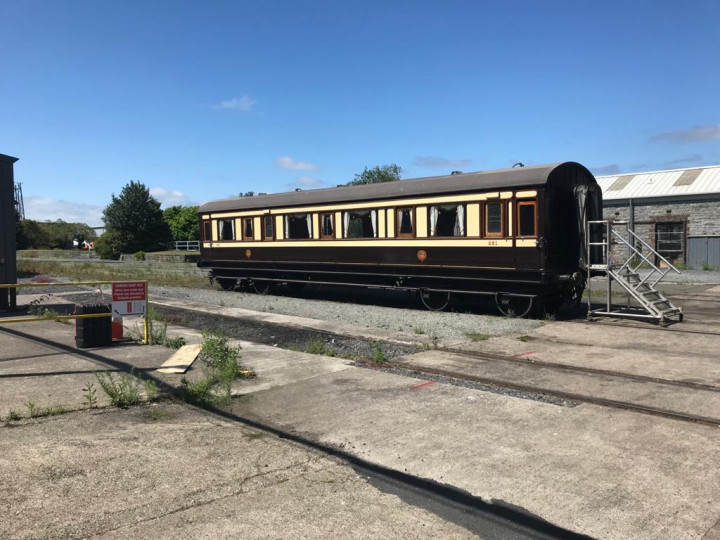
<point x="140" y="255"/>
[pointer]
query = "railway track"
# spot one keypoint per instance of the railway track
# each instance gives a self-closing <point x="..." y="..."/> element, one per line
<point x="556" y="380"/>
<point x="600" y="377"/>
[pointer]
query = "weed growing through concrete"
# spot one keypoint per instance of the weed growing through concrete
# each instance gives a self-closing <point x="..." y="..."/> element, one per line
<point x="477" y="336"/>
<point x="33" y="410"/>
<point x="13" y="416"/>
<point x="418" y="330"/>
<point x="89" y="395"/>
<point x="523" y="338"/>
<point x="221" y="369"/>
<point x="157" y="331"/>
<point x="158" y="413"/>
<point x="317" y="346"/>
<point x="377" y="355"/>
<point x="124" y="391"/>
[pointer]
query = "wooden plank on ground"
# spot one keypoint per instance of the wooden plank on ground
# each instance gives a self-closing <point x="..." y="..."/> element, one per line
<point x="181" y="361"/>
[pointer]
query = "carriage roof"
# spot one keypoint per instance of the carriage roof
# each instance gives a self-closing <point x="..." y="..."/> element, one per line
<point x="501" y="179"/>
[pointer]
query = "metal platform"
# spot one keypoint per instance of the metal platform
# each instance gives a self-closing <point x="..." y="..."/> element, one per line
<point x="638" y="276"/>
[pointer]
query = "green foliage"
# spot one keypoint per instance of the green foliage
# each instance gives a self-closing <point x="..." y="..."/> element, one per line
<point x="123" y="391"/>
<point x="707" y="266"/>
<point x="222" y="368"/>
<point x="477" y="336"/>
<point x="183" y="222"/>
<point x="33" y="410"/>
<point x="111" y="244"/>
<point x="136" y="215"/>
<point x="140" y="255"/>
<point x="89" y="395"/>
<point x="247" y="194"/>
<point x="13" y="416"/>
<point x="57" y="234"/>
<point x="384" y="173"/>
<point x="377" y="355"/>
<point x="317" y="346"/>
<point x="418" y="330"/>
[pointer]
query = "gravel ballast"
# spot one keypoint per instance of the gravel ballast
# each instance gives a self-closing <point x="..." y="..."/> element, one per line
<point x="445" y="326"/>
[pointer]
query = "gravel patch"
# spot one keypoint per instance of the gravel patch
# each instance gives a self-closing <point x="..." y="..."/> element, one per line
<point x="413" y="319"/>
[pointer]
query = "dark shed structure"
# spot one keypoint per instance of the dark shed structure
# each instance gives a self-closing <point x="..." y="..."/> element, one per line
<point x="8" y="260"/>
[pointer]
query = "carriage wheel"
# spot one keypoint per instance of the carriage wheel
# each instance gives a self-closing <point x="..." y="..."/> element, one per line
<point x="260" y="286"/>
<point x="435" y="300"/>
<point x="514" y="306"/>
<point x="227" y="284"/>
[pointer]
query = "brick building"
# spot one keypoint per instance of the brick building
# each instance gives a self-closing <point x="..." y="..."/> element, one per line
<point x="677" y="212"/>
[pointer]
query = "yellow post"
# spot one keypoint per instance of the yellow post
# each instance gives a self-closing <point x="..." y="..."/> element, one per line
<point x="145" y="318"/>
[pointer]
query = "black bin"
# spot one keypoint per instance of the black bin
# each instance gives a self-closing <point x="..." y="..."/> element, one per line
<point x="93" y="332"/>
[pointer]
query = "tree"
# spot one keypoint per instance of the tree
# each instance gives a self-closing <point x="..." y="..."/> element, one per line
<point x="247" y="194"/>
<point x="51" y="234"/>
<point x="384" y="173"/>
<point x="183" y="222"/>
<point x="135" y="220"/>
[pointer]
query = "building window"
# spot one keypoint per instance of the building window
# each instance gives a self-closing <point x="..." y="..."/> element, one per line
<point x="298" y="226"/>
<point x="670" y="240"/>
<point x="247" y="224"/>
<point x="493" y="218"/>
<point x="527" y="218"/>
<point x="327" y="228"/>
<point x="447" y="220"/>
<point x="226" y="229"/>
<point x="360" y="223"/>
<point x="207" y="231"/>
<point x="268" y="223"/>
<point x="405" y="222"/>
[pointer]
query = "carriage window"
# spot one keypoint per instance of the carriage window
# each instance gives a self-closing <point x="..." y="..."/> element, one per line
<point x="269" y="221"/>
<point x="247" y="228"/>
<point x="226" y="229"/>
<point x="360" y="224"/>
<point x="326" y="226"/>
<point x="298" y="226"/>
<point x="405" y="225"/>
<point x="493" y="219"/>
<point x="447" y="220"/>
<point x="207" y="231"/>
<point x="526" y="218"/>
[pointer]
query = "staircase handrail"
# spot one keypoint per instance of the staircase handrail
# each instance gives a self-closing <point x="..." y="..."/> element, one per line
<point x="636" y="237"/>
<point x="636" y="251"/>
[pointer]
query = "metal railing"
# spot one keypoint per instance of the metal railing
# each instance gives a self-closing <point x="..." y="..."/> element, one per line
<point x="627" y="274"/>
<point x="187" y="245"/>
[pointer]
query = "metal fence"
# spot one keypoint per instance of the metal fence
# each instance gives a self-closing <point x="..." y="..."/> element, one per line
<point x="187" y="245"/>
<point x="703" y="252"/>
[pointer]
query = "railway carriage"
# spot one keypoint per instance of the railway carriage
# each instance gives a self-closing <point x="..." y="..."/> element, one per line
<point x="515" y="236"/>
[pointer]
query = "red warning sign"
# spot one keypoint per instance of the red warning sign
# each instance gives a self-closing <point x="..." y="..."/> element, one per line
<point x="127" y="291"/>
<point x="129" y="298"/>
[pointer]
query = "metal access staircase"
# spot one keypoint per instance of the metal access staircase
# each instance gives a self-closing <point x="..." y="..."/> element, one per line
<point x="639" y="283"/>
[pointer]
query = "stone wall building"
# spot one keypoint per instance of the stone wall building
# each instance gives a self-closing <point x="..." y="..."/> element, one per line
<point x="677" y="212"/>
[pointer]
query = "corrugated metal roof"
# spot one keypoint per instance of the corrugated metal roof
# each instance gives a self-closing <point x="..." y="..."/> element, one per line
<point x="677" y="182"/>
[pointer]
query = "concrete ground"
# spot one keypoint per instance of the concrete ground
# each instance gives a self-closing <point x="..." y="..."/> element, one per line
<point x="601" y="472"/>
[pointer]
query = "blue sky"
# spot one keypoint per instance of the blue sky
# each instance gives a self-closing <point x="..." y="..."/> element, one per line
<point x="203" y="100"/>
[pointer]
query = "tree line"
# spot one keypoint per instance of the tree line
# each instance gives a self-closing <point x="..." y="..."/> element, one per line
<point x="134" y="221"/>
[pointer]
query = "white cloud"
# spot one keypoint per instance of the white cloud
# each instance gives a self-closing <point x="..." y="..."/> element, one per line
<point x="289" y="164"/>
<point x="306" y="182"/>
<point x="47" y="209"/>
<point x="243" y="103"/>
<point x="698" y="133"/>
<point x="169" y="197"/>
<point x="435" y="162"/>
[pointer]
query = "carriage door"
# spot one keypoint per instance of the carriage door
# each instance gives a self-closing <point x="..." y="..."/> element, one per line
<point x="588" y="199"/>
